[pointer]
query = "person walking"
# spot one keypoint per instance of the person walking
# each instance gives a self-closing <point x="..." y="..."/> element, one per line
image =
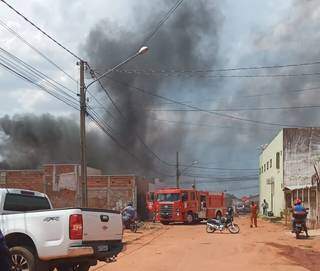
<point x="254" y="214"/>
<point x="265" y="207"/>
<point x="4" y="254"/>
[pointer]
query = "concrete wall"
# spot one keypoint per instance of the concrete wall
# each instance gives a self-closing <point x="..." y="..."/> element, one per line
<point x="271" y="177"/>
<point x="301" y="153"/>
<point x="301" y="157"/>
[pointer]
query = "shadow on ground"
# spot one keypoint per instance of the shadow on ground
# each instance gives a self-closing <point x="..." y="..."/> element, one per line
<point x="306" y="258"/>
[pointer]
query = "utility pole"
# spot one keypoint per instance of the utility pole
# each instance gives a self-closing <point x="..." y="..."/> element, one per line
<point x="178" y="171"/>
<point x="83" y="112"/>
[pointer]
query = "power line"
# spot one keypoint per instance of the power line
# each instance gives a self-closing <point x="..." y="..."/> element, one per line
<point x="177" y="71"/>
<point x="239" y="109"/>
<point x="219" y="168"/>
<point x="192" y="75"/>
<point x="201" y="109"/>
<point x="36" y="50"/>
<point x="31" y="70"/>
<point x="124" y="118"/>
<point x="162" y="21"/>
<point x="64" y="100"/>
<point x="94" y="118"/>
<point x="39" y="29"/>
<point x="200" y="124"/>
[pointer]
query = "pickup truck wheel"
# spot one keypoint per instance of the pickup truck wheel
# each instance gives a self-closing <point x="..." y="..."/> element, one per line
<point x="74" y="267"/>
<point x="22" y="259"/>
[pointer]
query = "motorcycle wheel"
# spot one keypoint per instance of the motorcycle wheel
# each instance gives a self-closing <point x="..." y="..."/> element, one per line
<point x="134" y="227"/>
<point x="297" y="235"/>
<point x="234" y="228"/>
<point x="210" y="229"/>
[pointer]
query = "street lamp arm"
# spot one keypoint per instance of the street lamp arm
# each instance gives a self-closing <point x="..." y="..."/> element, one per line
<point x="142" y="51"/>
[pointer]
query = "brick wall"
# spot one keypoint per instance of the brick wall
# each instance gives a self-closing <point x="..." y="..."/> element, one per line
<point x="60" y="183"/>
<point x="111" y="192"/>
<point x="22" y="179"/>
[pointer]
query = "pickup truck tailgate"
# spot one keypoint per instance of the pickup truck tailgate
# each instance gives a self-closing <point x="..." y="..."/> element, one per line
<point x="101" y="225"/>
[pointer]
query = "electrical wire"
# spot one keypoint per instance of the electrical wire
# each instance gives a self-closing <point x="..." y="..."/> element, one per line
<point x="201" y="109"/>
<point x="62" y="99"/>
<point x="4" y="25"/>
<point x="96" y="120"/>
<point x="39" y="29"/>
<point x="215" y="76"/>
<point x="124" y="118"/>
<point x="13" y="60"/>
<point x="238" y="109"/>
<point x="176" y="71"/>
<point x="162" y="21"/>
<point x="219" y="168"/>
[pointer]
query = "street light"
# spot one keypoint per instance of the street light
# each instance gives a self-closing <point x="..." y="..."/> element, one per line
<point x="142" y="51"/>
<point x="83" y="111"/>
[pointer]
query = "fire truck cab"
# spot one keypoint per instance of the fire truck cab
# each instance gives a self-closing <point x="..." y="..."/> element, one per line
<point x="187" y="205"/>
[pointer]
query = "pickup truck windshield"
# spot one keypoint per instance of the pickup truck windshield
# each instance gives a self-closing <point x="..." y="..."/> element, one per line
<point x="168" y="197"/>
<point x="24" y="203"/>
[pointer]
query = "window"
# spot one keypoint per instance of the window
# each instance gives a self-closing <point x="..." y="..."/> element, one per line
<point x="193" y="196"/>
<point x="184" y="196"/>
<point x="267" y="165"/>
<point x="168" y="197"/>
<point x="264" y="167"/>
<point x="270" y="163"/>
<point x="278" y="160"/>
<point x="3" y="177"/>
<point x="24" y="203"/>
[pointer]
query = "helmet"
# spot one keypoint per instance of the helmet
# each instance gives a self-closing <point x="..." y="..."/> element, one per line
<point x="298" y="201"/>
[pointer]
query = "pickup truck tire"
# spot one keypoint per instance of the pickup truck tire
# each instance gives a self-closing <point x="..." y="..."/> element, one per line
<point x="74" y="267"/>
<point x="23" y="258"/>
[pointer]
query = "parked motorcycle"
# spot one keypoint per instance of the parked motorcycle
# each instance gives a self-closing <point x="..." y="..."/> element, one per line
<point x="222" y="224"/>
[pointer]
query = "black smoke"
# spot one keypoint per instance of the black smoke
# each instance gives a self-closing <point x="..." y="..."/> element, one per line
<point x="28" y="141"/>
<point x="188" y="40"/>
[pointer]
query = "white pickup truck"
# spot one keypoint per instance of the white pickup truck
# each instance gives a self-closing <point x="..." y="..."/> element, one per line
<point x="41" y="238"/>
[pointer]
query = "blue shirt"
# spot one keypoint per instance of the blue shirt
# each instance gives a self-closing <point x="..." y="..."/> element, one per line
<point x="299" y="208"/>
<point x="130" y="212"/>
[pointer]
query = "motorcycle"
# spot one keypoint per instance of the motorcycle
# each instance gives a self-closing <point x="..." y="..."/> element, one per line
<point x="300" y="224"/>
<point x="222" y="224"/>
<point x="132" y="225"/>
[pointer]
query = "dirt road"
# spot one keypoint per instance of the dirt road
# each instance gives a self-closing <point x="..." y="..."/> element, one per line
<point x="186" y="248"/>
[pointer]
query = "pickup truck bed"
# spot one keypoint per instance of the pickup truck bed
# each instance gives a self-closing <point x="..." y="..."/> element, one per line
<point x="61" y="236"/>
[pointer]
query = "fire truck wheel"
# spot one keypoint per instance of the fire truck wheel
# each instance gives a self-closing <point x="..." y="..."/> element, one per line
<point x="190" y="218"/>
<point x="165" y="222"/>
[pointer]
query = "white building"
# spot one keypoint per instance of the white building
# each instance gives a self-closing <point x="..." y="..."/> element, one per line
<point x="288" y="170"/>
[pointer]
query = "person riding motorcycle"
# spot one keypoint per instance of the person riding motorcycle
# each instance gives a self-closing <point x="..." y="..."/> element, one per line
<point x="300" y="214"/>
<point x="129" y="214"/>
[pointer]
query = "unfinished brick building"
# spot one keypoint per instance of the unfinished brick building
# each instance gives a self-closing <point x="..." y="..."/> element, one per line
<point x="61" y="182"/>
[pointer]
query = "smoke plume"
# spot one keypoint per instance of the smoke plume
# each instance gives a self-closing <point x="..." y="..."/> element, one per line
<point x="189" y="39"/>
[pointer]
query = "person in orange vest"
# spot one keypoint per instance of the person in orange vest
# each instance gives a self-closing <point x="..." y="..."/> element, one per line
<point x="254" y="214"/>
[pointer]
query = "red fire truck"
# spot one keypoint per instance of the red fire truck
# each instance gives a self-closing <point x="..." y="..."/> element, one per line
<point x="186" y="205"/>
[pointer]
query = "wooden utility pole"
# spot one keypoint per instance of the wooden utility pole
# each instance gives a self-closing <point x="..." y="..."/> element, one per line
<point x="83" y="112"/>
<point x="178" y="171"/>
